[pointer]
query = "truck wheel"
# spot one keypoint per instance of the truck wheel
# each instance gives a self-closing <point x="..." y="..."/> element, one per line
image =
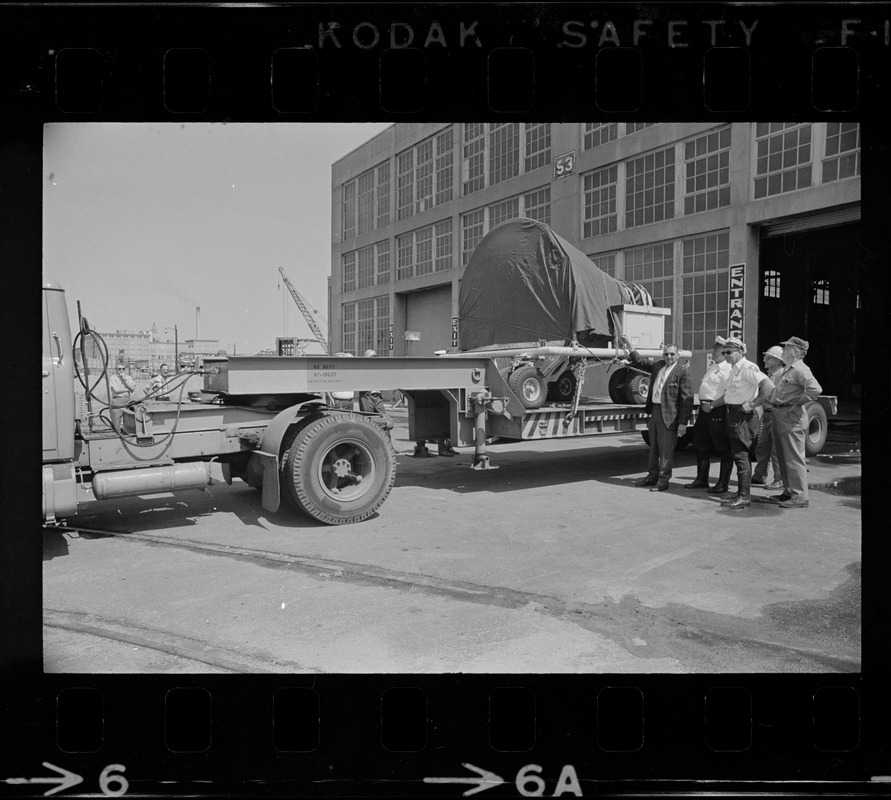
<point x="617" y="385"/>
<point x="529" y="385"/>
<point x="637" y="388"/>
<point x="562" y="390"/>
<point x="817" y="428"/>
<point x="338" y="468"/>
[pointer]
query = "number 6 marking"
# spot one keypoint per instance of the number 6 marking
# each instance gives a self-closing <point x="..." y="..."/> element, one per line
<point x="109" y="779"/>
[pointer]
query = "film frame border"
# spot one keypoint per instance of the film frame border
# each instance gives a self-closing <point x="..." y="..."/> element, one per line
<point x="128" y="92"/>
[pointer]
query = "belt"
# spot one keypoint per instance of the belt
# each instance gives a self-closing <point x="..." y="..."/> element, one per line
<point x="782" y="405"/>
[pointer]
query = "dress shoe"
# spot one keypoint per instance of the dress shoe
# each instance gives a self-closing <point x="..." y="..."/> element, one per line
<point x="422" y="452"/>
<point x="780" y="498"/>
<point x="659" y="487"/>
<point x="794" y="504"/>
<point x="719" y="488"/>
<point x="774" y="486"/>
<point x="447" y="451"/>
<point x="697" y="484"/>
<point x="645" y="482"/>
<point x="737" y="501"/>
<point x="757" y="480"/>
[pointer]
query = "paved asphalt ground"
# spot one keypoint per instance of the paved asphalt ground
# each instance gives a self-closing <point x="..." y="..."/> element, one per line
<point x="555" y="562"/>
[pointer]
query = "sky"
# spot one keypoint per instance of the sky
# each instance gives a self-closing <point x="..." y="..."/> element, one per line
<point x="144" y="222"/>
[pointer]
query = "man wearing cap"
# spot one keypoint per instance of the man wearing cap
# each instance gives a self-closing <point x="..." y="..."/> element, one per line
<point x="765" y="452"/>
<point x="670" y="406"/>
<point x="795" y="387"/>
<point x="709" y="432"/>
<point x="747" y="389"/>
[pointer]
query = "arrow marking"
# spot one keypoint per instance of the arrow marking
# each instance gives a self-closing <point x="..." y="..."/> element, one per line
<point x="66" y="781"/>
<point x="486" y="780"/>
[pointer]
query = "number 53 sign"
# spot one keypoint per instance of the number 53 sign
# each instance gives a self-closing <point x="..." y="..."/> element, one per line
<point x="564" y="165"/>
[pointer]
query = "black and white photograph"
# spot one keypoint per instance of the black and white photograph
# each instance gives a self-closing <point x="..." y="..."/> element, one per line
<point x="452" y="397"/>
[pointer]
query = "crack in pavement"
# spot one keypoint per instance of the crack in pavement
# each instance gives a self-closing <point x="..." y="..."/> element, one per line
<point x="626" y="622"/>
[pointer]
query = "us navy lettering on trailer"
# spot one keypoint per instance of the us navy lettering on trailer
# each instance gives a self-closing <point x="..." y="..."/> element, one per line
<point x="324" y="366"/>
<point x="675" y="33"/>
<point x="368" y="35"/>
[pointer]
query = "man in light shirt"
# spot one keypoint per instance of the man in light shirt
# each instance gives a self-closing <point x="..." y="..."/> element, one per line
<point x="670" y="406"/>
<point x="795" y="387"/>
<point x="765" y="451"/>
<point x="747" y="388"/>
<point x="709" y="431"/>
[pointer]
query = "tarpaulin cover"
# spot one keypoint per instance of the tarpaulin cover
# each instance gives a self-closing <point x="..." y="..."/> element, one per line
<point x="525" y="283"/>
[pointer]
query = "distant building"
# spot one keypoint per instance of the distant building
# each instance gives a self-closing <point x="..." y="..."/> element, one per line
<point x="748" y="228"/>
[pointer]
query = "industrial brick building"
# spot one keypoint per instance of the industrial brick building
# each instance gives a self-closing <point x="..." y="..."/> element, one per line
<point x="745" y="227"/>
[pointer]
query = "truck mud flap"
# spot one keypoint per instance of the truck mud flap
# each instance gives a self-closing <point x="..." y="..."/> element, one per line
<point x="272" y="497"/>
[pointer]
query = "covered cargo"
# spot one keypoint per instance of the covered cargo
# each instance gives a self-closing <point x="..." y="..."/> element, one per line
<point x="526" y="283"/>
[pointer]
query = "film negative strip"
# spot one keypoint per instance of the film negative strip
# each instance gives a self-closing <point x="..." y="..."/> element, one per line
<point x="679" y="699"/>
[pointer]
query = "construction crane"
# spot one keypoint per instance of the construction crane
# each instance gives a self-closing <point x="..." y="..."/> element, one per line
<point x="306" y="311"/>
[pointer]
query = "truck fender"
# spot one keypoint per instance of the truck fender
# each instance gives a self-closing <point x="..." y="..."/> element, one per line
<point x="270" y="449"/>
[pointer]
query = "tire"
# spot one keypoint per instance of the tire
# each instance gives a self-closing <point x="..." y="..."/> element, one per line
<point x="617" y="385"/>
<point x="562" y="390"/>
<point x="529" y="385"/>
<point x="817" y="429"/>
<point x="637" y="388"/>
<point x="321" y="460"/>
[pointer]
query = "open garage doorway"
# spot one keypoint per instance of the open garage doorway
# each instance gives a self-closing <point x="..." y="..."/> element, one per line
<point x="810" y="287"/>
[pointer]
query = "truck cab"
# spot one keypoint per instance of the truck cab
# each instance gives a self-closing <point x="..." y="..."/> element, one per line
<point x="59" y="412"/>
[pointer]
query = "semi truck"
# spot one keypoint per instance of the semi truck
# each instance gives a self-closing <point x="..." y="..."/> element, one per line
<point x="265" y="420"/>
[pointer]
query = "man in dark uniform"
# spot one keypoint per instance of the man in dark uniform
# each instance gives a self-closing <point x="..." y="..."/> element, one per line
<point x="670" y="406"/>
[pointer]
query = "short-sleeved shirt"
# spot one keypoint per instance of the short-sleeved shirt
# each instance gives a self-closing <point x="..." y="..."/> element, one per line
<point x="793" y="383"/>
<point x="121" y="387"/>
<point x="714" y="382"/>
<point x="743" y="382"/>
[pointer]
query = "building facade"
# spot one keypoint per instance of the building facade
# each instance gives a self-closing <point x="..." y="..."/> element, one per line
<point x="747" y="228"/>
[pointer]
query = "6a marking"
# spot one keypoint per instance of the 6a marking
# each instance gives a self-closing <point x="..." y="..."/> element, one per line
<point x="529" y="782"/>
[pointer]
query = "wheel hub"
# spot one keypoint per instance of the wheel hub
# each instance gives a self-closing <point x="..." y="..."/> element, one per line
<point x="341" y="467"/>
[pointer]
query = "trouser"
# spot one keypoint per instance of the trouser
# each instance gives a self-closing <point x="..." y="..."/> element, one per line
<point x="662" y="443"/>
<point x="765" y="450"/>
<point x="789" y="433"/>
<point x="742" y="427"/>
<point x="374" y="404"/>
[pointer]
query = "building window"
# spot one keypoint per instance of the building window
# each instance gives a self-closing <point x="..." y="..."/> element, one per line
<point x="424" y="176"/>
<point x="506" y="209"/>
<point x="366" y="202"/>
<point x="366" y="325"/>
<point x="653" y="268"/>
<point x="383" y="195"/>
<point x="842" y="151"/>
<point x="537" y="205"/>
<point x="634" y="127"/>
<point x="404" y="262"/>
<point x="443" y="257"/>
<point x="349" y="272"/>
<point x="472" y="230"/>
<point x="771" y="283"/>
<point x="707" y="166"/>
<point x="598" y="133"/>
<point x="349" y="328"/>
<point x="445" y="146"/>
<point x="424" y="251"/>
<point x="538" y="146"/>
<point x="365" y="269"/>
<point x="349" y="210"/>
<point x="605" y="263"/>
<point x="504" y="152"/>
<point x="474" y="165"/>
<point x="706" y="270"/>
<point x="649" y="188"/>
<point x="783" y="157"/>
<point x="405" y="184"/>
<point x="821" y="293"/>
<point x="383" y="262"/>
<point x="382" y="324"/>
<point x="600" y="202"/>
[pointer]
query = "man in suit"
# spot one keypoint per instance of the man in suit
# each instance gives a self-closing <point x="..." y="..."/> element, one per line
<point x="670" y="406"/>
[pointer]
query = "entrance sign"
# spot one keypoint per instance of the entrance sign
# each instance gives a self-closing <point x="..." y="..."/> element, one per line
<point x="737" y="300"/>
